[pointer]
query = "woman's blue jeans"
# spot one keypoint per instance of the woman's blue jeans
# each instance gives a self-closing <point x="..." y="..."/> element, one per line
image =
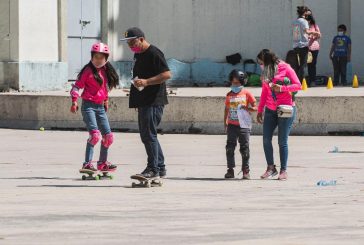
<point x="271" y="122"/>
<point x="95" y="118"/>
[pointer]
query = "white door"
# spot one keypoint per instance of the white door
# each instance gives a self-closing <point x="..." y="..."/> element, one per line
<point x="84" y="29"/>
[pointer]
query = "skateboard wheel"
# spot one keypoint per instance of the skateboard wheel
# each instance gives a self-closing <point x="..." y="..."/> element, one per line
<point x="83" y="177"/>
<point x="148" y="185"/>
<point x="97" y="177"/>
<point x="111" y="177"/>
<point x="133" y="185"/>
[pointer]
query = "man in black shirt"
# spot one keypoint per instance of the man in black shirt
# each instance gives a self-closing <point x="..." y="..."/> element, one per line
<point x="149" y="95"/>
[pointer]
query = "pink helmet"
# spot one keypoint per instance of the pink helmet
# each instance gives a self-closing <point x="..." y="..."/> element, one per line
<point x="100" y="48"/>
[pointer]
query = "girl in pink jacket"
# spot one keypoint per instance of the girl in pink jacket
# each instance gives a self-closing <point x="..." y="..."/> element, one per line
<point x="96" y="79"/>
<point x="279" y="85"/>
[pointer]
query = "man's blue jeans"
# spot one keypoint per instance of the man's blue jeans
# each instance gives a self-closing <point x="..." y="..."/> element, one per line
<point x="149" y="117"/>
<point x="271" y="122"/>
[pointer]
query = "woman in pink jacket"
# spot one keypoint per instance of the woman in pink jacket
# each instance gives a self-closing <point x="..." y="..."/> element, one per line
<point x="279" y="85"/>
<point x="313" y="46"/>
<point x="96" y="79"/>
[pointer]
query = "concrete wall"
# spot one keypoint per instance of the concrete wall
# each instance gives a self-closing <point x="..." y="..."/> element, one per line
<point x="9" y="31"/>
<point x="186" y="30"/>
<point x="203" y="72"/>
<point x="190" y="30"/>
<point x="29" y="51"/>
<point x="29" y="30"/>
<point x="182" y="115"/>
<point x="4" y="30"/>
<point x="357" y="35"/>
<point x="38" y="30"/>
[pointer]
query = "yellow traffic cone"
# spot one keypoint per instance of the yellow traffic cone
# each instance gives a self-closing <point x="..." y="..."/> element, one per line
<point x="304" y="84"/>
<point x="330" y="84"/>
<point x="355" y="82"/>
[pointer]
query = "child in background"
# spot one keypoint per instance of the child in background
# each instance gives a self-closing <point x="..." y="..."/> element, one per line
<point x="340" y="54"/>
<point x="238" y="122"/>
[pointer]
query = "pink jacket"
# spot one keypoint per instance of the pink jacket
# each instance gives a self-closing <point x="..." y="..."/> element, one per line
<point x="314" y="43"/>
<point x="92" y="90"/>
<point x="285" y="96"/>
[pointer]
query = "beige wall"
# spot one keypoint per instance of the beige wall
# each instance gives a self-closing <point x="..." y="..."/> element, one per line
<point x="189" y="30"/>
<point x="9" y="41"/>
<point x="357" y="35"/>
<point x="4" y="30"/>
<point x="38" y="30"/>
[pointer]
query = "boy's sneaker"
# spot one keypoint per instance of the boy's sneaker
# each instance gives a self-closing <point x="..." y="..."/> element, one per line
<point x="106" y="166"/>
<point x="149" y="174"/>
<point x="162" y="173"/>
<point x="283" y="175"/>
<point x="89" y="166"/>
<point x="270" y="172"/>
<point x="246" y="174"/>
<point x="230" y="174"/>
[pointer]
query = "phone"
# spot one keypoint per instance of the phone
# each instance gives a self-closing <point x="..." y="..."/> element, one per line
<point x="132" y="82"/>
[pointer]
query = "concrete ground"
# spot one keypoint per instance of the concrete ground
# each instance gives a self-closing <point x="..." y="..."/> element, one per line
<point x="43" y="200"/>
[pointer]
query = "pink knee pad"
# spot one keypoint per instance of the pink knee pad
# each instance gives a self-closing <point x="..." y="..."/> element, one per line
<point x="94" y="137"/>
<point x="107" y="140"/>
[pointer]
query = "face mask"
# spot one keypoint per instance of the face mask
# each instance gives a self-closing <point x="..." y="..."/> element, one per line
<point x="136" y="50"/>
<point x="340" y="33"/>
<point x="99" y="66"/>
<point x="236" y="89"/>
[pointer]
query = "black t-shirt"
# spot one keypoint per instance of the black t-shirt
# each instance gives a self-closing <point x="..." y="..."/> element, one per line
<point x="148" y="64"/>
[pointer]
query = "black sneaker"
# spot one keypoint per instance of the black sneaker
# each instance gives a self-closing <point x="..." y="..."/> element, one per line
<point x="150" y="174"/>
<point x="146" y="170"/>
<point x="230" y="174"/>
<point x="162" y="173"/>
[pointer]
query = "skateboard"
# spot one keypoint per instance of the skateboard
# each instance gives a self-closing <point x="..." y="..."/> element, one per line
<point x="144" y="182"/>
<point x="106" y="174"/>
<point x="96" y="175"/>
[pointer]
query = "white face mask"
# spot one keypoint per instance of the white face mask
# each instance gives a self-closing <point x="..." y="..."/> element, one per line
<point x="340" y="33"/>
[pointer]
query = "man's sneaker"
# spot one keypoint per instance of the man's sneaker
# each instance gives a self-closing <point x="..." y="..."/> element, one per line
<point x="106" y="166"/>
<point x="150" y="174"/>
<point x="162" y="173"/>
<point x="270" y="172"/>
<point x="230" y="174"/>
<point x="283" y="175"/>
<point x="146" y="170"/>
<point x="89" y="166"/>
